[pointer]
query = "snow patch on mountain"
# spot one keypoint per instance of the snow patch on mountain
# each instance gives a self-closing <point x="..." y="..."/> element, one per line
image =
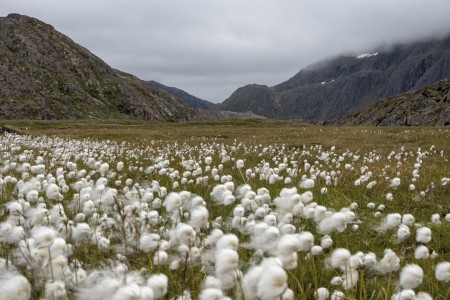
<point x="367" y="55"/>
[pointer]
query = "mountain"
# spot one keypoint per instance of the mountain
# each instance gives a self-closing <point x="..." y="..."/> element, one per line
<point x="46" y="75"/>
<point x="333" y="88"/>
<point x="189" y="99"/>
<point x="429" y="105"/>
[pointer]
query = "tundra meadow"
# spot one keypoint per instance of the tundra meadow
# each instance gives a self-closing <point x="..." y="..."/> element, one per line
<point x="223" y="210"/>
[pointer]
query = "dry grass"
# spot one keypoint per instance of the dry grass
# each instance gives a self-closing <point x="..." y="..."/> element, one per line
<point x="252" y="132"/>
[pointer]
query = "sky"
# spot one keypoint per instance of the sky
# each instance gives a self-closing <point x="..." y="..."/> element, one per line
<point x="209" y="48"/>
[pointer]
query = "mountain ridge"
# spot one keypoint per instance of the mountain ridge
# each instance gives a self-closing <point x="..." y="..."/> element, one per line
<point x="330" y="89"/>
<point x="188" y="98"/>
<point x="46" y="75"/>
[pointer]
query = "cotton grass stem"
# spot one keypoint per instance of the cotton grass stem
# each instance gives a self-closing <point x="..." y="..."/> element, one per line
<point x="242" y="175"/>
<point x="50" y="262"/>
<point x="296" y="280"/>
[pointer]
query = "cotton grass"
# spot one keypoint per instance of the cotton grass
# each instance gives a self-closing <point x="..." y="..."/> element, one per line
<point x="218" y="219"/>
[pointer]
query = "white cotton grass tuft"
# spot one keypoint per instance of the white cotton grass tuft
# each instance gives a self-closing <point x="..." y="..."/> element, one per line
<point x="149" y="242"/>
<point x="159" y="284"/>
<point x="55" y="290"/>
<point x="339" y="258"/>
<point x="10" y="234"/>
<point x="306" y="197"/>
<point x="172" y="202"/>
<point x="211" y="282"/>
<point x="408" y="219"/>
<point x="389" y="263"/>
<point x="52" y="191"/>
<point x="43" y="237"/>
<point x="406" y="294"/>
<point x="273" y="283"/>
<point x="390" y="221"/>
<point x="337" y="295"/>
<point x="160" y="258"/>
<point x="322" y="293"/>
<point x="423" y="296"/>
<point x="336" y="280"/>
<point x="227" y="241"/>
<point x="307" y="183"/>
<point x="411" y="276"/>
<point x="227" y="264"/>
<point x="250" y="282"/>
<point x="287" y="244"/>
<point x="326" y="242"/>
<point x="421" y="252"/>
<point x="239" y="164"/>
<point x="32" y="196"/>
<point x="395" y="183"/>
<point x="288" y="295"/>
<point x="436" y="219"/>
<point x="350" y="278"/>
<point x="423" y="235"/>
<point x="371" y="205"/>
<point x="370" y="260"/>
<point x="306" y="240"/>
<point x="336" y="222"/>
<point x="14" y="286"/>
<point x="199" y="218"/>
<point x="316" y="250"/>
<point x="128" y="292"/>
<point x="442" y="271"/>
<point x="222" y="195"/>
<point x="403" y="232"/>
<point x="211" y="294"/>
<point x="389" y="197"/>
<point x="82" y="232"/>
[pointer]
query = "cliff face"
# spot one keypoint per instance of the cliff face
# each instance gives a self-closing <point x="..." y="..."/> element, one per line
<point x="427" y="106"/>
<point x="46" y="75"/>
<point x="331" y="89"/>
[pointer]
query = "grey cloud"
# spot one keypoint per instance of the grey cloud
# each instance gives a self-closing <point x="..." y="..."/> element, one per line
<point x="210" y="48"/>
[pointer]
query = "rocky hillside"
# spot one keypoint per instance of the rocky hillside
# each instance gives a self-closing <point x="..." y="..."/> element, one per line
<point x="331" y="89"/>
<point x="428" y="106"/>
<point x="46" y="75"/>
<point x="189" y="99"/>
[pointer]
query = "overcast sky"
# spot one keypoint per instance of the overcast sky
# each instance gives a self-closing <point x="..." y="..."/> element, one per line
<point x="211" y="47"/>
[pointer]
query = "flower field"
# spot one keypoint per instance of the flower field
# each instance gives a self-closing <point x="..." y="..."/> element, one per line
<point x="220" y="211"/>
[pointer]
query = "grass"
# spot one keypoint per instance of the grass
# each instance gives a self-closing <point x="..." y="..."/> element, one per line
<point x="291" y="140"/>
<point x="252" y="132"/>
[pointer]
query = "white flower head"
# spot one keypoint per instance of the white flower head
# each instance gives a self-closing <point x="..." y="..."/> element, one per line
<point x="423" y="235"/>
<point x="411" y="276"/>
<point x="442" y="271"/>
<point x="158" y="283"/>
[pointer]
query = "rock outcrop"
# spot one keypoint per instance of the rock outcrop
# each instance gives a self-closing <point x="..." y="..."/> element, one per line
<point x="427" y="106"/>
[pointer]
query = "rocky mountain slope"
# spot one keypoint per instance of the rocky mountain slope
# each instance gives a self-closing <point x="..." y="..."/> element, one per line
<point x="333" y="88"/>
<point x="427" y="106"/>
<point x="189" y="99"/>
<point x="45" y="75"/>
